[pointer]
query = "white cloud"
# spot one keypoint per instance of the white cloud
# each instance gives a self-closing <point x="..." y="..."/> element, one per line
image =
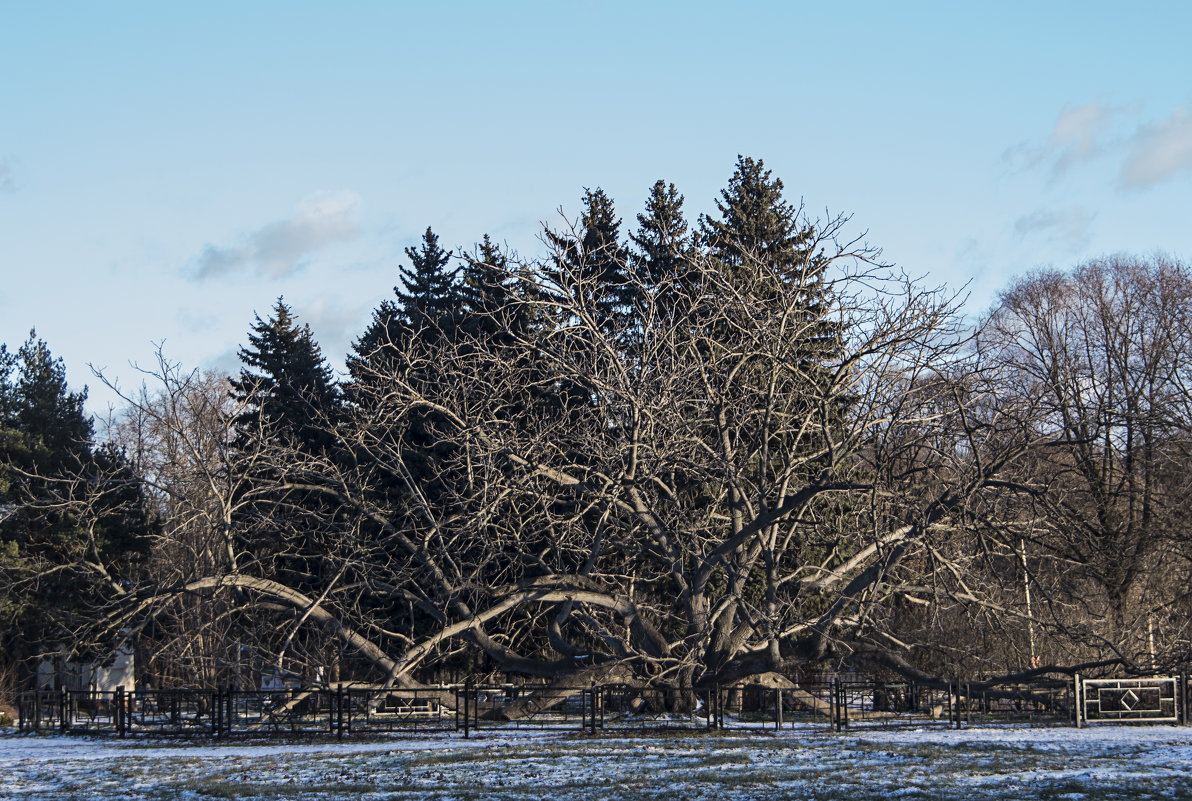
<point x="1159" y="152"/>
<point x="1071" y="226"/>
<point x="1080" y="133"/>
<point x="283" y="247"/>
<point x="1148" y="155"/>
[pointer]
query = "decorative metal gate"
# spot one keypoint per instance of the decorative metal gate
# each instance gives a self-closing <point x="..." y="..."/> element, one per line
<point x="1151" y="700"/>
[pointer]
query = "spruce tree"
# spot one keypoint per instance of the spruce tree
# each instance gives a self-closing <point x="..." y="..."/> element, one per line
<point x="286" y="386"/>
<point x="484" y="284"/>
<point x="72" y="519"/>
<point x="594" y="262"/>
<point x="489" y="297"/>
<point x="663" y="247"/>
<point x="662" y="241"/>
<point x="764" y="245"/>
<point x="759" y="237"/>
<point x="46" y="412"/>
<point x="765" y="248"/>
<point x="376" y="347"/>
<point x="8" y="361"/>
<point x="428" y="299"/>
<point x="289" y="403"/>
<point x="7" y="422"/>
<point x="426" y="307"/>
<point x="426" y="311"/>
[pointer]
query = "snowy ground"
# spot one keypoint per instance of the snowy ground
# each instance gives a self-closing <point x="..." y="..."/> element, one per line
<point x="1101" y="763"/>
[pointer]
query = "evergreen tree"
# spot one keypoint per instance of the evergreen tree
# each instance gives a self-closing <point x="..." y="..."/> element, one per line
<point x="759" y="236"/>
<point x="425" y="311"/>
<point x="286" y="386"/>
<point x="489" y="297"/>
<point x="426" y="307"/>
<point x="663" y="249"/>
<point x="71" y="519"/>
<point x="663" y="244"/>
<point x="764" y="246"/>
<point x="762" y="242"/>
<point x="7" y="423"/>
<point x="48" y="415"/>
<point x="375" y="346"/>
<point x="7" y="363"/>
<point x="289" y="400"/>
<point x="484" y="284"/>
<point x="428" y="298"/>
<point x="594" y="262"/>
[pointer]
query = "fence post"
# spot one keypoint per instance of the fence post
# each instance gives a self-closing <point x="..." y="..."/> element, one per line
<point x="968" y="703"/>
<point x="1078" y="705"/>
<point x="467" y="694"/>
<point x="63" y="700"/>
<point x="339" y="711"/>
<point x="832" y="699"/>
<point x="120" y="722"/>
<point x="1182" y="695"/>
<point x="602" y="707"/>
<point x="778" y="709"/>
<point x="843" y="706"/>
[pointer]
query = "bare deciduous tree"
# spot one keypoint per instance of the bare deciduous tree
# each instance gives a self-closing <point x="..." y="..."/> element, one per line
<point x="1098" y="361"/>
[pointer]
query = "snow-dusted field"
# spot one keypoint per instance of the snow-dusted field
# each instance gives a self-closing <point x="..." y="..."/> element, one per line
<point x="1119" y="762"/>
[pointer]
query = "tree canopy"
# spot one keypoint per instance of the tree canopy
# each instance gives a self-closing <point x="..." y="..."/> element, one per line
<point x="683" y="455"/>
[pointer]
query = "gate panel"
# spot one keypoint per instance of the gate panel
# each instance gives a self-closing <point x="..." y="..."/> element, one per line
<point x="1149" y="700"/>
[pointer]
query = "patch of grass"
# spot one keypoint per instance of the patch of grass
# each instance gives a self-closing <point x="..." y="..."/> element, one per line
<point x="233" y="790"/>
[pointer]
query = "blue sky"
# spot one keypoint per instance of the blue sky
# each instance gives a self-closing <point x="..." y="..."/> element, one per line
<point x="168" y="169"/>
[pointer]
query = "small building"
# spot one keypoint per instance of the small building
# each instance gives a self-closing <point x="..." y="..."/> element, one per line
<point x="120" y="670"/>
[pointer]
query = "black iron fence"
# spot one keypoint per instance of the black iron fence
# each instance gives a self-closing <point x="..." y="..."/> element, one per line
<point x="357" y="710"/>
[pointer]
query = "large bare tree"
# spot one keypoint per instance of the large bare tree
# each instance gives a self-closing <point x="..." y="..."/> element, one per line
<point x="1099" y="361"/>
<point x="737" y="480"/>
<point x="743" y="470"/>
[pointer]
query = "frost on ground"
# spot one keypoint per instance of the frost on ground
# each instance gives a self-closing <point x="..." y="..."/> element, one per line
<point x="1107" y="763"/>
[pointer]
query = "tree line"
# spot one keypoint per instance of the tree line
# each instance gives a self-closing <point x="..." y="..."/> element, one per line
<point x="678" y="454"/>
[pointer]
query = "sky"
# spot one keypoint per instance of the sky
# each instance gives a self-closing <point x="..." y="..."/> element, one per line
<point x="168" y="170"/>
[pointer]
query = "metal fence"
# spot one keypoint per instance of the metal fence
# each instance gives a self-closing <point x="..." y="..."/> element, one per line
<point x="358" y="710"/>
<point x="1152" y="699"/>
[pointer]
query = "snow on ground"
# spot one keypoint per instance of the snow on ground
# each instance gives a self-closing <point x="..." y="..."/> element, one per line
<point x="985" y="763"/>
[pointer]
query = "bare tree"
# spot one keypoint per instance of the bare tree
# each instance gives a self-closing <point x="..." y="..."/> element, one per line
<point x="1098" y="360"/>
<point x="716" y="500"/>
<point x="744" y="473"/>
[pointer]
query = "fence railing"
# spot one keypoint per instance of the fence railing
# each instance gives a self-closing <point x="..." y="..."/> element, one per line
<point x="1151" y="699"/>
<point x="359" y="710"/>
